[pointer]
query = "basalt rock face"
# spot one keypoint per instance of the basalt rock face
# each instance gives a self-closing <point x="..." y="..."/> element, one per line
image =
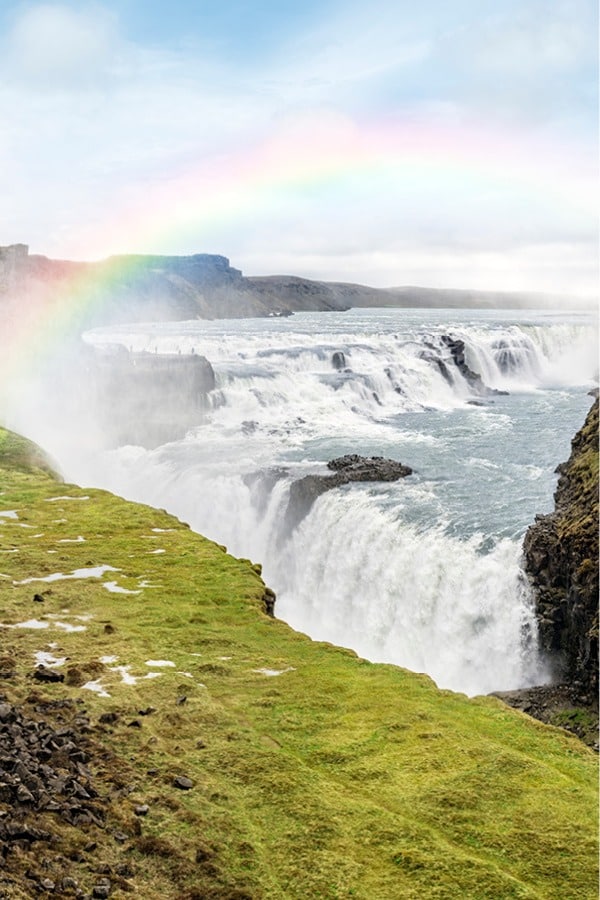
<point x="561" y="554"/>
<point x="473" y="379"/>
<point x="351" y="467"/>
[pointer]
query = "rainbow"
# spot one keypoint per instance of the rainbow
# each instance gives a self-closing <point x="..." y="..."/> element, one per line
<point x="324" y="157"/>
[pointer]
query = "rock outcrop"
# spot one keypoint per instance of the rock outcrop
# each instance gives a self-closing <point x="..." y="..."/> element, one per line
<point x="148" y="398"/>
<point x="561" y="554"/>
<point x="351" y="467"/>
<point x="473" y="379"/>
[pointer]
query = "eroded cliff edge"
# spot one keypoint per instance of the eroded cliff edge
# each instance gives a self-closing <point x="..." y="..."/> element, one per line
<point x="561" y="561"/>
<point x="561" y="554"/>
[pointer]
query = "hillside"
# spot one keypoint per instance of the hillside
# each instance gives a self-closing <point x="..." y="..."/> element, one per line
<point x="145" y="288"/>
<point x="179" y="742"/>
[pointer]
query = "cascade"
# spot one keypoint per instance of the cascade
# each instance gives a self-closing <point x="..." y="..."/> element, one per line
<point x="423" y="573"/>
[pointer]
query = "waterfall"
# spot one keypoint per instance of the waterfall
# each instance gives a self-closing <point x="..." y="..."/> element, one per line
<point x="423" y="573"/>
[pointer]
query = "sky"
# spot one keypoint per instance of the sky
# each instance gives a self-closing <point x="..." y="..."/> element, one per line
<point x="446" y="143"/>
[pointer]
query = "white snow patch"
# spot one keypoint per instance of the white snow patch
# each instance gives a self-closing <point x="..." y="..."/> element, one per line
<point x="271" y="673"/>
<point x="9" y="514"/>
<point x="78" y="540"/>
<point x="186" y="674"/>
<point x="92" y="572"/>
<point x="43" y="658"/>
<point x="225" y="658"/>
<point x="54" y="499"/>
<point x="95" y="686"/>
<point x="65" y="626"/>
<point x="108" y="659"/>
<point x="114" y="588"/>
<point x="126" y="678"/>
<point x="30" y="623"/>
<point x="156" y="551"/>
<point x="153" y="675"/>
<point x="160" y="662"/>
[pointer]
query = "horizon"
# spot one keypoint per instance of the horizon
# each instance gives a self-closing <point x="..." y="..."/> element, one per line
<point x="449" y="147"/>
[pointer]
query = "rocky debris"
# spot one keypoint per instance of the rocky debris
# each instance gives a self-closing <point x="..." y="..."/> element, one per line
<point x="43" y="769"/>
<point x="349" y="468"/>
<point x="473" y="379"/>
<point x="561" y="559"/>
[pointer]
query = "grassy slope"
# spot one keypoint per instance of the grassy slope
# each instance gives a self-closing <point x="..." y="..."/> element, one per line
<point x="337" y="778"/>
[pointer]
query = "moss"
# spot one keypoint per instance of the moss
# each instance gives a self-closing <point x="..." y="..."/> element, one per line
<point x="335" y="779"/>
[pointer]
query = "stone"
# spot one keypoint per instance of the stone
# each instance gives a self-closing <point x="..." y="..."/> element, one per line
<point x="183" y="783"/>
<point x="47" y="675"/>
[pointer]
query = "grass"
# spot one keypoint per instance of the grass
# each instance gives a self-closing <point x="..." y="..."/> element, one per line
<point x="335" y="779"/>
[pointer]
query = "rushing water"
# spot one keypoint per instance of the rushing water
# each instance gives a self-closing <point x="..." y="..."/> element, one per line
<point x="424" y="572"/>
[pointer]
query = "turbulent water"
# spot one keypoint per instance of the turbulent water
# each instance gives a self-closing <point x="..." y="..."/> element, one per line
<point x="424" y="572"/>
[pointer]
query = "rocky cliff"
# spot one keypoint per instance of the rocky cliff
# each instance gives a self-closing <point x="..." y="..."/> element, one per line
<point x="561" y="552"/>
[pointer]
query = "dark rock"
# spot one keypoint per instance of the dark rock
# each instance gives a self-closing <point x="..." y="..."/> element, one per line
<point x="108" y="718"/>
<point x="183" y="783"/>
<point x="181" y="700"/>
<point x="37" y="598"/>
<point x="338" y="361"/>
<point x="269" y="599"/>
<point x="102" y="889"/>
<point x="349" y="468"/>
<point x="473" y="379"/>
<point x="561" y="559"/>
<point x="141" y="810"/>
<point x="47" y="675"/>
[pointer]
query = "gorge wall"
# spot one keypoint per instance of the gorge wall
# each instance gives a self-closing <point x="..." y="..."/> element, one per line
<point x="561" y="553"/>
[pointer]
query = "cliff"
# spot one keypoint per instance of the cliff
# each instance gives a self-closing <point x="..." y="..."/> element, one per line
<point x="561" y="553"/>
<point x="146" y="288"/>
<point x="162" y="736"/>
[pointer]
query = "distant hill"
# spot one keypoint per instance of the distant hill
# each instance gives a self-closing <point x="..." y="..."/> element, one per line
<point x="205" y="286"/>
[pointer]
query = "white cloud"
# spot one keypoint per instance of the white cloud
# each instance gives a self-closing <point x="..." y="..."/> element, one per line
<point x="111" y="146"/>
<point x="51" y="44"/>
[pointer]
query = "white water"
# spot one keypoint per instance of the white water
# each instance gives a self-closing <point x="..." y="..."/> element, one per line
<point x="424" y="572"/>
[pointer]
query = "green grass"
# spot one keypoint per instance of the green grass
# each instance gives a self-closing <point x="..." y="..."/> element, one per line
<point x="335" y="779"/>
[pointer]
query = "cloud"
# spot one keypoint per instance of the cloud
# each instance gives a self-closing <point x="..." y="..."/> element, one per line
<point x="113" y="145"/>
<point x="53" y="45"/>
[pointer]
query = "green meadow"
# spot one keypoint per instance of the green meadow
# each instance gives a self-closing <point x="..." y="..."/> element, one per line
<point x="315" y="774"/>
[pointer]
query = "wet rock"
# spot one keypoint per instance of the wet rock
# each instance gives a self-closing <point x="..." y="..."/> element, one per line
<point x="348" y="468"/>
<point x="338" y="360"/>
<point x="473" y="379"/>
<point x="561" y="557"/>
<point x="268" y="600"/>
